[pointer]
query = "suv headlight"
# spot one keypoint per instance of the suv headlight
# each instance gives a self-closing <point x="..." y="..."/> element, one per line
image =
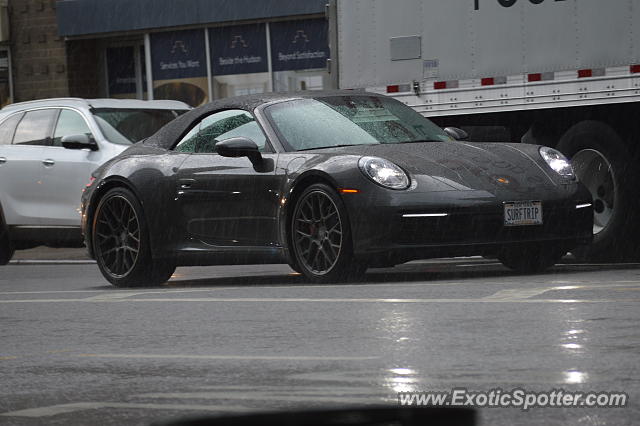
<point x="384" y="172"/>
<point x="557" y="162"/>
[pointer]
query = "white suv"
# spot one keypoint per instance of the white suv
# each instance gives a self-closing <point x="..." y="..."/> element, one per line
<point x="48" y="150"/>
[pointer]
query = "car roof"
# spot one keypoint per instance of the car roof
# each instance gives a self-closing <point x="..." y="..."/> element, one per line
<point x="165" y="137"/>
<point x="97" y="103"/>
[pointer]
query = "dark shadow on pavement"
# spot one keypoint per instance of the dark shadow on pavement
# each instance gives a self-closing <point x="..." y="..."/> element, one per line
<point x="407" y="273"/>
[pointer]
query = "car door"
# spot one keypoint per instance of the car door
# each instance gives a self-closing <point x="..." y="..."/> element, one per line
<point x="22" y="167"/>
<point x="7" y="129"/>
<point x="66" y="171"/>
<point x="227" y="201"/>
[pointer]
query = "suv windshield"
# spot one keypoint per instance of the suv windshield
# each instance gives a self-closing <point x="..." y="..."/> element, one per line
<point x="350" y="120"/>
<point x="127" y="126"/>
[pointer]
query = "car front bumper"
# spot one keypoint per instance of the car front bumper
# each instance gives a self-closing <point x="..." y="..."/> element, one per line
<point x="393" y="227"/>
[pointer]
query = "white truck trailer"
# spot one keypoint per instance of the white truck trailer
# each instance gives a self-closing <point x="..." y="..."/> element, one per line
<point x="561" y="73"/>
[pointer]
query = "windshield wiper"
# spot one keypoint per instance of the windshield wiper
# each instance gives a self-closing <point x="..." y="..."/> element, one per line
<point x="418" y="141"/>
<point x="335" y="146"/>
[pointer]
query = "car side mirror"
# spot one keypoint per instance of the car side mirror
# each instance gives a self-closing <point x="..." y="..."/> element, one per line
<point x="80" y="141"/>
<point x="239" y="147"/>
<point x="457" y="134"/>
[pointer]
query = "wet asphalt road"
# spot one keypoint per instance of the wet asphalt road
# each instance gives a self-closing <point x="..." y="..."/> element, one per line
<point x="76" y="351"/>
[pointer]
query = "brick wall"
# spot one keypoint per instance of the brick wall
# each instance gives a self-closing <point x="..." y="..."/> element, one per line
<point x="39" y="55"/>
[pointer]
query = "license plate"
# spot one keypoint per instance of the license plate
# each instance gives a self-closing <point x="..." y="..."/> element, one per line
<point x="520" y="213"/>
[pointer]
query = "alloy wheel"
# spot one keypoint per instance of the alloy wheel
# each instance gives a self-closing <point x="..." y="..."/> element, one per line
<point x="317" y="232"/>
<point x="117" y="236"/>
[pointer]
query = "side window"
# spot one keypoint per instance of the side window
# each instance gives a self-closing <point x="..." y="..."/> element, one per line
<point x="8" y="128"/>
<point x="35" y="127"/>
<point x="69" y="123"/>
<point x="220" y="126"/>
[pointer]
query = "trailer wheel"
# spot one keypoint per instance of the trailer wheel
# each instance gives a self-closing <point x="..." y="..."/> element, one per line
<point x="602" y="162"/>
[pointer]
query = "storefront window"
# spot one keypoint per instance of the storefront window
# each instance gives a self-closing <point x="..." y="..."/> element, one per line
<point x="126" y="78"/>
<point x="179" y="66"/>
<point x="239" y="60"/>
<point x="299" y="53"/>
<point x="5" y="78"/>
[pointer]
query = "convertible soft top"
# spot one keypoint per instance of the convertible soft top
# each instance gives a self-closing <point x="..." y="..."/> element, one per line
<point x="167" y="135"/>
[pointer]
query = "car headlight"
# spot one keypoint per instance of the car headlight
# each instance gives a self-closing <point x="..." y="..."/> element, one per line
<point x="384" y="172"/>
<point x="557" y="162"/>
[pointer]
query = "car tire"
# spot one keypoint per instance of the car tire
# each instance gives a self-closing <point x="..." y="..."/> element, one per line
<point x="602" y="162"/>
<point x="295" y="267"/>
<point x="530" y="259"/>
<point x="6" y="247"/>
<point x="321" y="237"/>
<point x="121" y="243"/>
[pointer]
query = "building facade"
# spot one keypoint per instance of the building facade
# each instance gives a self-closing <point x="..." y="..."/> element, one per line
<point x="189" y="50"/>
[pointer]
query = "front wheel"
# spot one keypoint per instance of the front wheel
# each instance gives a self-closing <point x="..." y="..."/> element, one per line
<point x="530" y="259"/>
<point x="6" y="247"/>
<point x="121" y="243"/>
<point x="321" y="237"/>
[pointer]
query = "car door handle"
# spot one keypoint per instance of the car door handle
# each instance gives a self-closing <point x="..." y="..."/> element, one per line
<point x="48" y="162"/>
<point x="186" y="183"/>
<point x="3" y="160"/>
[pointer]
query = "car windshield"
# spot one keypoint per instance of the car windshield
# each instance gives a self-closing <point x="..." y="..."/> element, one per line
<point x="127" y="126"/>
<point x="325" y="122"/>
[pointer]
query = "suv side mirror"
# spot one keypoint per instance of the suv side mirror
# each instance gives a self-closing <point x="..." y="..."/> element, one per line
<point x="80" y="141"/>
<point x="457" y="134"/>
<point x="239" y="147"/>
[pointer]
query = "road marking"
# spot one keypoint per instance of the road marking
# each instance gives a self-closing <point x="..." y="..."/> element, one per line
<point x="53" y="410"/>
<point x="523" y="295"/>
<point x="312" y="300"/>
<point x="518" y="294"/>
<point x="51" y="292"/>
<point x="395" y="284"/>
<point x="4" y="358"/>
<point x="269" y="396"/>
<point x="233" y="357"/>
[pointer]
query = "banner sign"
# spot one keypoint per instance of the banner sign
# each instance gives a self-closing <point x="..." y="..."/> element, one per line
<point x="299" y="45"/>
<point x="178" y="54"/>
<point x="241" y="49"/>
<point x="121" y="70"/>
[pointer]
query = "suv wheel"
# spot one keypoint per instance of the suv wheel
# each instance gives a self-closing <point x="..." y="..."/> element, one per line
<point x="6" y="247"/>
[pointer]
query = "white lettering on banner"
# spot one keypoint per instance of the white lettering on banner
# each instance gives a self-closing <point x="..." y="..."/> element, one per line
<point x="298" y="56"/>
<point x="240" y="60"/>
<point x="179" y="65"/>
<point x="126" y="80"/>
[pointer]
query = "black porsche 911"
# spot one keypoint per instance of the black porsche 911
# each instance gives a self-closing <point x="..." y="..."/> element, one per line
<point x="330" y="183"/>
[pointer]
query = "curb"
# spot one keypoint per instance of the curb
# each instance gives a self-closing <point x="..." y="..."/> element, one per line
<point x="51" y="262"/>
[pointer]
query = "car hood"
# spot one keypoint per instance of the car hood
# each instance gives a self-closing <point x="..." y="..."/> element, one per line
<point x="465" y="166"/>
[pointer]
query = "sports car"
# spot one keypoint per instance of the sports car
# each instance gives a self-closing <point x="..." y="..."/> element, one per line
<point x="331" y="183"/>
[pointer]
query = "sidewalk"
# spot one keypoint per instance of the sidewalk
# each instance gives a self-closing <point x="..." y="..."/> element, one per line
<point x="45" y="254"/>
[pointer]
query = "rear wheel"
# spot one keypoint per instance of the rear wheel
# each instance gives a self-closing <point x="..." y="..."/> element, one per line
<point x="321" y="237"/>
<point x="121" y="243"/>
<point x="530" y="259"/>
<point x="6" y="247"/>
